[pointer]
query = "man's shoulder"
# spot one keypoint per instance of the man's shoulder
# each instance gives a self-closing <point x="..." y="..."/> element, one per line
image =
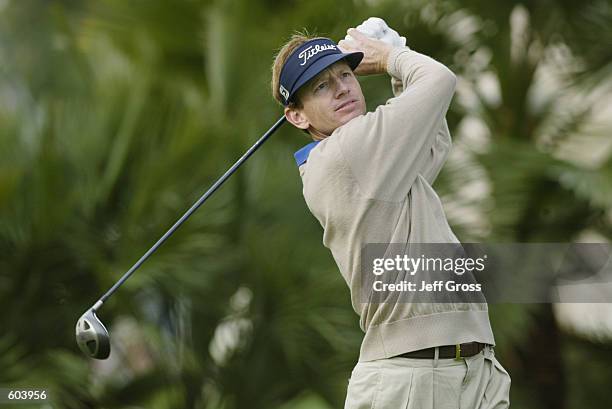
<point x="359" y="123"/>
<point x="322" y="156"/>
<point x="326" y="167"/>
<point x="362" y="130"/>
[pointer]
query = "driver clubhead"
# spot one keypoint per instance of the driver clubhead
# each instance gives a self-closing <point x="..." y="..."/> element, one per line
<point x="92" y="337"/>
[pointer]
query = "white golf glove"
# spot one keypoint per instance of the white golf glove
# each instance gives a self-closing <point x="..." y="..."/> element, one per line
<point x="377" y="29"/>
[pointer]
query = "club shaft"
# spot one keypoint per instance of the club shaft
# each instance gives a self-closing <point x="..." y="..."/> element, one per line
<point x="189" y="212"/>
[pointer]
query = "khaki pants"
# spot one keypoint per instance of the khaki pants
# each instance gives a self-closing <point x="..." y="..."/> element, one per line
<point x="477" y="382"/>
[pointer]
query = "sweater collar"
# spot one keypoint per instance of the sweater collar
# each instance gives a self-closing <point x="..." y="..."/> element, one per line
<point x="301" y="156"/>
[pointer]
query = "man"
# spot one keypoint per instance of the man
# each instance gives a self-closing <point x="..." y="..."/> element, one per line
<point x="367" y="179"/>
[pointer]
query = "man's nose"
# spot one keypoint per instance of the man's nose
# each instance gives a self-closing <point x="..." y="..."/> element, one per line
<point x="341" y="88"/>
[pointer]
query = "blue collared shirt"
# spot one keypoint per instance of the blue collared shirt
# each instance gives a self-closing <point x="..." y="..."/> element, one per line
<point x="301" y="156"/>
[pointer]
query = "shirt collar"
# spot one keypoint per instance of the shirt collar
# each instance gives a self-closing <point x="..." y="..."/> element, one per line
<point x="301" y="156"/>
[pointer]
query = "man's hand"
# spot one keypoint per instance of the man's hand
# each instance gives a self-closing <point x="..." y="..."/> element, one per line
<point x="375" y="53"/>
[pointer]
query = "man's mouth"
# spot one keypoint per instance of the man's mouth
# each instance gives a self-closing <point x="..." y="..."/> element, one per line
<point x="346" y="104"/>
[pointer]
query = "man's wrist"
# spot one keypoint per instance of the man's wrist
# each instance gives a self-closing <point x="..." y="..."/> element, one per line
<point x="391" y="66"/>
<point x="384" y="61"/>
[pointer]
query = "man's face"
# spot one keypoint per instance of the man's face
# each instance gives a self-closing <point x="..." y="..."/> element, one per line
<point x="329" y="100"/>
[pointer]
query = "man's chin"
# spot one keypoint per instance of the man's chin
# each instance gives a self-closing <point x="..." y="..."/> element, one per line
<point x="349" y="116"/>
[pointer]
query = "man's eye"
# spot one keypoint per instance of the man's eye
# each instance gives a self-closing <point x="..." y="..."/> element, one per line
<point x="321" y="86"/>
<point x="346" y="74"/>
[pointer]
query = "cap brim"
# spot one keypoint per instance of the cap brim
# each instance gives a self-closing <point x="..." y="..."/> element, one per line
<point x="353" y="59"/>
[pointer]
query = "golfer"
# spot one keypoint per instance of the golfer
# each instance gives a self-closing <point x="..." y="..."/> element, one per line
<point x="367" y="178"/>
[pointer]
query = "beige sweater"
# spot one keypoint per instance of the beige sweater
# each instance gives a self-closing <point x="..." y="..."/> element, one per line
<point x="370" y="182"/>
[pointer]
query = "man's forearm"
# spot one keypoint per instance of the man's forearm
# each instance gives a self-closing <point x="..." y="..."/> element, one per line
<point x="407" y="67"/>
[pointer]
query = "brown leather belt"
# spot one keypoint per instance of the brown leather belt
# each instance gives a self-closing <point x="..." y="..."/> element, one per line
<point x="447" y="351"/>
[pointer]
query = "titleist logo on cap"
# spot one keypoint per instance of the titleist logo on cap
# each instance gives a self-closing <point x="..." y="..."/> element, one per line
<point x="311" y="51"/>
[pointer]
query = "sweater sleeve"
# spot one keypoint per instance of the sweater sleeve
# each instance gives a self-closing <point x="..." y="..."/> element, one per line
<point x="441" y="147"/>
<point x="388" y="148"/>
<point x="438" y="154"/>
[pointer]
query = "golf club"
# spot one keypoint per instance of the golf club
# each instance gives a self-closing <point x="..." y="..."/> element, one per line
<point x="91" y="335"/>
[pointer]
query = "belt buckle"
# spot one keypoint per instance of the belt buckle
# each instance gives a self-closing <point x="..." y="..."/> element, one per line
<point x="457" y="352"/>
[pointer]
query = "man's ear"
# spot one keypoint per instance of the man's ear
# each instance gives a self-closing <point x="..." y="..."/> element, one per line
<point x="297" y="118"/>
